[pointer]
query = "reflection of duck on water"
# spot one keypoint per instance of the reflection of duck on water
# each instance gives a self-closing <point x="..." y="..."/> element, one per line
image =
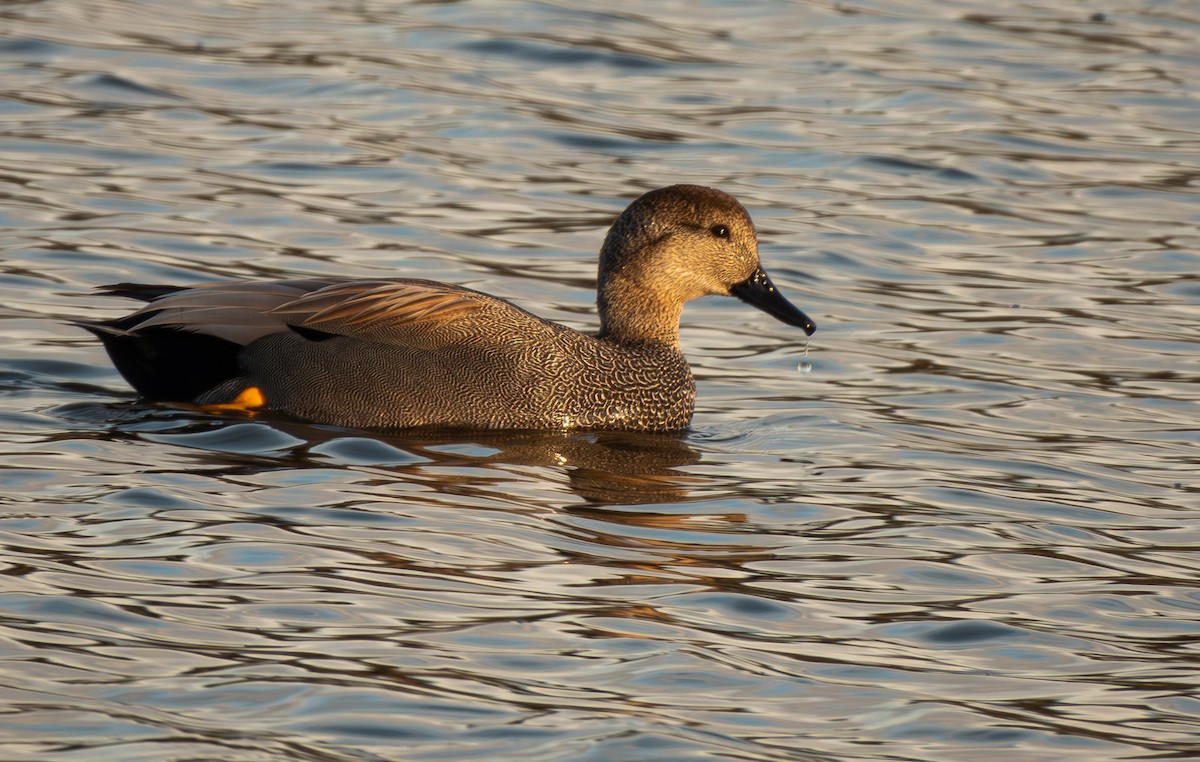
<point x="607" y="467"/>
<point x="601" y="467"/>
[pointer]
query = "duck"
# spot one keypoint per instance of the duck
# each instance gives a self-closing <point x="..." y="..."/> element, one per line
<point x="402" y="353"/>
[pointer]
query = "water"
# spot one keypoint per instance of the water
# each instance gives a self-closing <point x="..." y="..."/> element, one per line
<point x="959" y="524"/>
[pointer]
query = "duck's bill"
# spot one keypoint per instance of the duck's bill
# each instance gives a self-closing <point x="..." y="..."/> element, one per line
<point x="759" y="291"/>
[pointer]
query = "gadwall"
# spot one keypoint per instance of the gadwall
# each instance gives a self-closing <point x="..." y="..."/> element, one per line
<point x="403" y="353"/>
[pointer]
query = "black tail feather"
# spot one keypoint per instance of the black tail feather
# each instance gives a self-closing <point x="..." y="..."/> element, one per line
<point x="166" y="364"/>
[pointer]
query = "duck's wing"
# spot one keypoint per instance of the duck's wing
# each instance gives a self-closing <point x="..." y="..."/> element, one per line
<point x="385" y="311"/>
<point x="235" y="311"/>
<point x="407" y="312"/>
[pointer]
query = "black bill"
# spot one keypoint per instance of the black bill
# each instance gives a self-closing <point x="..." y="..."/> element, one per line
<point x="759" y="291"/>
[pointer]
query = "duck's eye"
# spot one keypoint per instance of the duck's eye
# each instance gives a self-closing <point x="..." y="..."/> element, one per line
<point x="720" y="231"/>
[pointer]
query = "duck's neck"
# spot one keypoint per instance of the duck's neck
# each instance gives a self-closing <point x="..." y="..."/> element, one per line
<point x="633" y="312"/>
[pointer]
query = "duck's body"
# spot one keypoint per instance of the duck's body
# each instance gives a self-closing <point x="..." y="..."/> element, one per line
<point x="414" y="353"/>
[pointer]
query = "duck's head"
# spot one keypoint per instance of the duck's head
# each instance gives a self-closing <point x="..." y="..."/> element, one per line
<point x="672" y="245"/>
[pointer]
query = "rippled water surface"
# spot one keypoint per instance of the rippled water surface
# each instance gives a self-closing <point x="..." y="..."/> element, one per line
<point x="961" y="523"/>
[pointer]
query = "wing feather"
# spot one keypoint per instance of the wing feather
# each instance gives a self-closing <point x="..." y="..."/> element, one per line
<point x="415" y="312"/>
<point x="368" y="305"/>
